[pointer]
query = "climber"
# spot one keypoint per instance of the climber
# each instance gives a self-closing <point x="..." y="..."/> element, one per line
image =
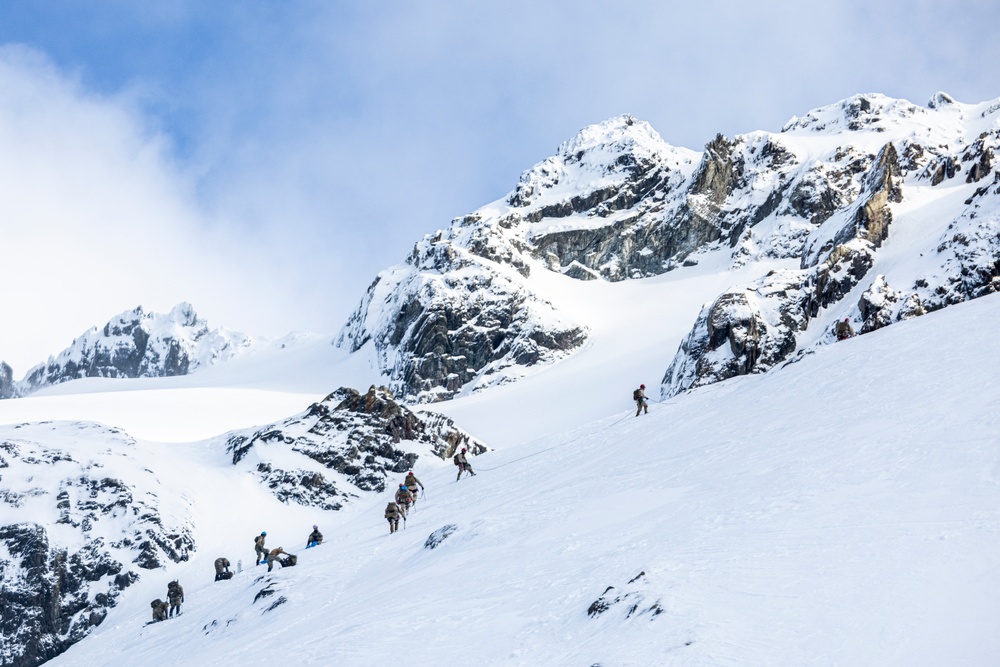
<point x="315" y="538"/>
<point x="639" y="396"/>
<point x="159" y="609"/>
<point x="222" y="569"/>
<point x="463" y="464"/>
<point x="392" y="515"/>
<point x="175" y="594"/>
<point x="403" y="499"/>
<point x="411" y="483"/>
<point x="273" y="556"/>
<point x="258" y="545"/>
<point x="844" y="330"/>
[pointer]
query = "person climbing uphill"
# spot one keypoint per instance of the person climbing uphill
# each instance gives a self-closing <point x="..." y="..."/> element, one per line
<point x="403" y="499"/>
<point x="639" y="396"/>
<point x="411" y="483"/>
<point x="315" y="538"/>
<point x="392" y="516"/>
<point x="159" y="609"/>
<point x="222" y="569"/>
<point x="463" y="464"/>
<point x="175" y="594"/>
<point x="258" y="545"/>
<point x="273" y="556"/>
<point x="844" y="330"/>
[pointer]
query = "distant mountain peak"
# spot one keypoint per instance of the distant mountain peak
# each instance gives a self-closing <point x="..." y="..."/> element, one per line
<point x="135" y="344"/>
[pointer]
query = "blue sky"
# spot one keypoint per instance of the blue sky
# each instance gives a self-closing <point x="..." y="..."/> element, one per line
<point x="290" y="150"/>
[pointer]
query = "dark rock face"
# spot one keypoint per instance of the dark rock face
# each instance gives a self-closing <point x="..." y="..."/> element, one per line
<point x="136" y="344"/>
<point x="349" y="443"/>
<point x="450" y="319"/>
<point x="742" y="332"/>
<point x="6" y="381"/>
<point x="56" y="588"/>
<point x="751" y="330"/>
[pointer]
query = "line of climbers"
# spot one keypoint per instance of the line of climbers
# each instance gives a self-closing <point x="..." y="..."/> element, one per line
<point x="403" y="502"/>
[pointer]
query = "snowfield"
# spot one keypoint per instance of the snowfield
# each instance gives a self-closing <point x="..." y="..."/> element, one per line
<point x="840" y="510"/>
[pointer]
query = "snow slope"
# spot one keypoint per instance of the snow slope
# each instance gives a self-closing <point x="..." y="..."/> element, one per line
<point x="840" y="510"/>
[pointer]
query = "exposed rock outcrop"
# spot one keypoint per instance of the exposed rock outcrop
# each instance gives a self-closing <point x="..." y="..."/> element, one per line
<point x="92" y="534"/>
<point x="347" y="444"/>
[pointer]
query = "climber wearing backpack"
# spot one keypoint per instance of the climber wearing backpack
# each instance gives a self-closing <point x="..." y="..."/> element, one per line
<point x="274" y="555"/>
<point x="175" y="594"/>
<point x="222" y="569"/>
<point x="844" y="330"/>
<point x="403" y="499"/>
<point x="463" y="464"/>
<point x="258" y="545"/>
<point x="411" y="483"/>
<point x="392" y="516"/>
<point x="159" y="609"/>
<point x="639" y="396"/>
<point x="315" y="538"/>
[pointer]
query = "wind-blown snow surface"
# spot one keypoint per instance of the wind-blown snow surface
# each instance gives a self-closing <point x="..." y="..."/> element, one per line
<point x="844" y="509"/>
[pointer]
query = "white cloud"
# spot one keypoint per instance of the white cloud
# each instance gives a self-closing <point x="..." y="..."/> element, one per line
<point x="95" y="218"/>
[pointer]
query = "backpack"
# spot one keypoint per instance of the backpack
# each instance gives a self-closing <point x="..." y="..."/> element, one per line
<point x="156" y="603"/>
<point x="635" y="395"/>
<point x="457" y="462"/>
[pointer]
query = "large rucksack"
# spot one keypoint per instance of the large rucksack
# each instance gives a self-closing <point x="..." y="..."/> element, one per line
<point x="636" y="395"/>
<point x="456" y="460"/>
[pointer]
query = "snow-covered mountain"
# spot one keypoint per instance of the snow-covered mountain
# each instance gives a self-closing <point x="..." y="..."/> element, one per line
<point x="915" y="229"/>
<point x="825" y="513"/>
<point x="838" y="509"/>
<point x="84" y="516"/>
<point x="134" y="344"/>
<point x="829" y="194"/>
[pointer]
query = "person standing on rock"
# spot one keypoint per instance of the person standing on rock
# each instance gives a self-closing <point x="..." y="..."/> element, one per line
<point x="411" y="483"/>
<point x="222" y="569"/>
<point x="639" y="396"/>
<point x="844" y="330"/>
<point x="315" y="538"/>
<point x="258" y="545"/>
<point x="392" y="515"/>
<point x="175" y="594"/>
<point x="463" y="464"/>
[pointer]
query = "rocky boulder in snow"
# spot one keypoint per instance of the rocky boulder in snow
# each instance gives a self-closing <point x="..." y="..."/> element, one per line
<point x="347" y="444"/>
<point x="87" y="521"/>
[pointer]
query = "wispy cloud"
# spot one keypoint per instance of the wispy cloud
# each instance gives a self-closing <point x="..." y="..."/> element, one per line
<point x="263" y="160"/>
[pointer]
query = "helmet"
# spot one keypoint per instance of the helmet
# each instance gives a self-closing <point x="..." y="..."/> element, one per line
<point x="403" y="487"/>
<point x="410" y="473"/>
<point x="263" y="532"/>
<point x="642" y="386"/>
<point x="315" y="527"/>
<point x="847" y="319"/>
<point x="463" y="449"/>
